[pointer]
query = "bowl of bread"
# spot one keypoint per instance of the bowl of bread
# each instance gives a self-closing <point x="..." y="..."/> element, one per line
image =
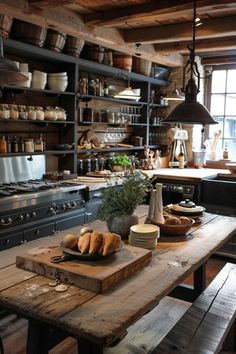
<point x="175" y="226"/>
<point x="91" y="244"/>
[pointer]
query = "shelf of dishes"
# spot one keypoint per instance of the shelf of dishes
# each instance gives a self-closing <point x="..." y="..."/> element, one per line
<point x="125" y="115"/>
<point x="15" y="112"/>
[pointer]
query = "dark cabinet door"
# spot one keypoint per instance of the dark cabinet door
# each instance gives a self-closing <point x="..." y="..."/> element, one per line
<point x="91" y="209"/>
<point x="11" y="240"/>
<point x="72" y="221"/>
<point x="39" y="231"/>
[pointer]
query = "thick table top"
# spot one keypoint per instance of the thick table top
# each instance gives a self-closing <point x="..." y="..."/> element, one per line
<point x="104" y="317"/>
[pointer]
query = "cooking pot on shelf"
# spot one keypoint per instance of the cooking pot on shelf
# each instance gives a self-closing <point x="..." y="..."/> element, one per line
<point x="186" y="207"/>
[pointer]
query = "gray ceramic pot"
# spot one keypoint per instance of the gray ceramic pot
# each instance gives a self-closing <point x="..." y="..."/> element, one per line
<point x="121" y="224"/>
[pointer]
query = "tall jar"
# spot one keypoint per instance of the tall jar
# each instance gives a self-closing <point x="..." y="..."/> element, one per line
<point x="39" y="113"/>
<point x="29" y="145"/>
<point x="31" y="113"/>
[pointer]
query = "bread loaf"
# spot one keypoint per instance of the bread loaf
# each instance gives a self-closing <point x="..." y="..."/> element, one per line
<point x="112" y="242"/>
<point x="172" y="220"/>
<point x="84" y="243"/>
<point x="184" y="220"/>
<point x="96" y="240"/>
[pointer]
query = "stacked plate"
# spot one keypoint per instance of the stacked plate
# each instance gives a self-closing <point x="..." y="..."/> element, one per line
<point x="144" y="235"/>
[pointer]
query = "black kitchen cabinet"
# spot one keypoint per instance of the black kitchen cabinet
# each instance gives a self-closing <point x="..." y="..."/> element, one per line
<point x="67" y="132"/>
<point x="11" y="239"/>
<point x="92" y="205"/>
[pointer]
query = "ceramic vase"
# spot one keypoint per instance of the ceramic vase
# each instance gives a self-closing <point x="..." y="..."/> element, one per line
<point x="121" y="224"/>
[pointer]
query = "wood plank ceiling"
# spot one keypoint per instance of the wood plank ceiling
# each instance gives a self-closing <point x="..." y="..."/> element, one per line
<point x="158" y="30"/>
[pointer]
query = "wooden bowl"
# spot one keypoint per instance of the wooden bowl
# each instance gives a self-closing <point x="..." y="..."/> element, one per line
<point x="231" y="166"/>
<point x="174" y="230"/>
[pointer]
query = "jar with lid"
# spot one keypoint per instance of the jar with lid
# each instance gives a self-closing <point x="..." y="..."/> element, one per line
<point x="61" y="113"/>
<point x="21" y="145"/>
<point x="31" y="113"/>
<point x="8" y="142"/>
<point x="83" y="86"/>
<point x="50" y="113"/>
<point x="4" y="111"/>
<point x="14" y="114"/>
<point x="38" y="144"/>
<point x="39" y="113"/>
<point x="23" y="113"/>
<point x="29" y="145"/>
<point x="14" y="145"/>
<point x="92" y="87"/>
<point x="87" y="166"/>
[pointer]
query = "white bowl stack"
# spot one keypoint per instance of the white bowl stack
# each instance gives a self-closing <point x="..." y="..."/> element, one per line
<point x="144" y="235"/>
<point x="58" y="81"/>
<point x="39" y="79"/>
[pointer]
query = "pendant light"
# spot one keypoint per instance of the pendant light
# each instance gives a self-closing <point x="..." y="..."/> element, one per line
<point x="190" y="111"/>
<point x="128" y="93"/>
<point x="9" y="72"/>
<point x="175" y="96"/>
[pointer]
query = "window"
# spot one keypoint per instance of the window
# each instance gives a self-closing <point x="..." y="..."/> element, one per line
<point x="222" y="105"/>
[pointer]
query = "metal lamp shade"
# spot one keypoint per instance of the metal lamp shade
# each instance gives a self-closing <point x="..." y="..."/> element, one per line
<point x="190" y="113"/>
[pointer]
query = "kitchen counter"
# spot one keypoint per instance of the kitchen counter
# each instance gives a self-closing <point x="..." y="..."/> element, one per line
<point x="189" y="174"/>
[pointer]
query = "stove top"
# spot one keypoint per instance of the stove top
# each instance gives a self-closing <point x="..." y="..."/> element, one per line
<point x="32" y="192"/>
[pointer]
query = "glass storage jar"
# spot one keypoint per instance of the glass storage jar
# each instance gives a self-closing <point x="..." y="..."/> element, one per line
<point x="4" y="111"/>
<point x="50" y="113"/>
<point x="61" y="113"/>
<point x="39" y="113"/>
<point x="14" y="114"/>
<point x="31" y="113"/>
<point x="29" y="145"/>
<point x="23" y="113"/>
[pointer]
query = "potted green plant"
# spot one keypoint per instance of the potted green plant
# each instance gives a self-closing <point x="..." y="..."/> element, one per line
<point x="120" y="201"/>
<point x="120" y="163"/>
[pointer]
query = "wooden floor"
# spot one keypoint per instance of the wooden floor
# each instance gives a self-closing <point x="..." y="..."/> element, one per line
<point x="13" y="330"/>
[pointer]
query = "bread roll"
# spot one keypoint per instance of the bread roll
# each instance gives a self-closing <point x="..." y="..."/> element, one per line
<point x="95" y="242"/>
<point x="84" y="243"/>
<point x="70" y="241"/>
<point x="184" y="220"/>
<point x="112" y="242"/>
<point x="172" y="220"/>
<point x="100" y="249"/>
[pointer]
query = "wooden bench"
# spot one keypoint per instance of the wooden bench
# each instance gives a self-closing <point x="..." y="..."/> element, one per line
<point x="202" y="327"/>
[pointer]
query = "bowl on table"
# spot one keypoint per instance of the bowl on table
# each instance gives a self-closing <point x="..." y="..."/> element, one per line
<point x="171" y="229"/>
<point x="231" y="166"/>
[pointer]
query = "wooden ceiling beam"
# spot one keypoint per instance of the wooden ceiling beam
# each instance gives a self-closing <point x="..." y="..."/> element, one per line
<point x="151" y="11"/>
<point x="214" y="28"/>
<point x="202" y="45"/>
<point x="64" y="20"/>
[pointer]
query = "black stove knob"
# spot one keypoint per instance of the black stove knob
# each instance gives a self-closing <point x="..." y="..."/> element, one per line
<point x="63" y="206"/>
<point x="33" y="214"/>
<point x="52" y="211"/>
<point x="21" y="217"/>
<point x="6" y="222"/>
<point x="27" y="216"/>
<point x="73" y="204"/>
<point x="67" y="205"/>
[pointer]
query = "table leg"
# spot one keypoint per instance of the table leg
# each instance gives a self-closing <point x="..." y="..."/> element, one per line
<point x="199" y="280"/>
<point x="85" y="346"/>
<point x="189" y="292"/>
<point x="42" y="338"/>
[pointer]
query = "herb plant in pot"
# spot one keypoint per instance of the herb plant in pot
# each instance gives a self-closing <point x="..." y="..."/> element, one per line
<point x="120" y="201"/>
<point x="120" y="163"/>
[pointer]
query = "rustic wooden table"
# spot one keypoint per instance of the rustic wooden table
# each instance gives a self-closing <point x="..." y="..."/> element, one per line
<point x="97" y="320"/>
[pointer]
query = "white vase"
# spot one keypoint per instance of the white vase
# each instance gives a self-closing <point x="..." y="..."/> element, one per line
<point x="155" y="212"/>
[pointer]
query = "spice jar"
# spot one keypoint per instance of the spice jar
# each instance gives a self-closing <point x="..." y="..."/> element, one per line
<point x="31" y="113"/>
<point x="4" y="111"/>
<point x="29" y="145"/>
<point x="23" y="113"/>
<point x="50" y="113"/>
<point x="3" y="145"/>
<point x="14" y="114"/>
<point x="61" y="113"/>
<point x="39" y="113"/>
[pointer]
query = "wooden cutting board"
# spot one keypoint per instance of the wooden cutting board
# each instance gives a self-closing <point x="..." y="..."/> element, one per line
<point x="97" y="276"/>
